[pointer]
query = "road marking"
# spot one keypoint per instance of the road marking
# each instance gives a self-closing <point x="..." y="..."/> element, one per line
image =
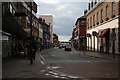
<point x="42" y="58"/>
<point x="47" y="74"/>
<point x="73" y="77"/>
<point x="63" y="77"/>
<point x="42" y="62"/>
<point x="42" y="71"/>
<point x="51" y="72"/>
<point x="57" y="76"/>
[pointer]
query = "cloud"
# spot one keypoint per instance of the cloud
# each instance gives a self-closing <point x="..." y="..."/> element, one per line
<point x="61" y="7"/>
<point x="65" y="15"/>
<point x="64" y="38"/>
<point x="56" y="1"/>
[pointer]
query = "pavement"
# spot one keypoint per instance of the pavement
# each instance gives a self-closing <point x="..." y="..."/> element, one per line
<point x="66" y="68"/>
<point x="18" y="67"/>
<point x="96" y="54"/>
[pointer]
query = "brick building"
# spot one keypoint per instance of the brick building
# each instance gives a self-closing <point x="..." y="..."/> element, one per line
<point x="81" y="31"/>
<point x="102" y="19"/>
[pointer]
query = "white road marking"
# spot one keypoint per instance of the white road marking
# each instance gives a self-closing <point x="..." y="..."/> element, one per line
<point x="42" y="71"/>
<point x="42" y="62"/>
<point x="47" y="74"/>
<point x="57" y="76"/>
<point x="73" y="77"/>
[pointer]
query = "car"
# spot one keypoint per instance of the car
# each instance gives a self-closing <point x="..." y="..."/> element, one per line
<point x="67" y="48"/>
<point x="60" y="47"/>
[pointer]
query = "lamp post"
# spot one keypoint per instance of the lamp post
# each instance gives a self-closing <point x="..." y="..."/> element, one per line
<point x="31" y="54"/>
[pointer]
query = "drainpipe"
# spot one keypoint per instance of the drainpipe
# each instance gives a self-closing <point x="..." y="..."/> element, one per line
<point x="119" y="27"/>
<point x="88" y="43"/>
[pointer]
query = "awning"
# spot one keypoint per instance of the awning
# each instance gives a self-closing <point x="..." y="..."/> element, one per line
<point x="104" y="32"/>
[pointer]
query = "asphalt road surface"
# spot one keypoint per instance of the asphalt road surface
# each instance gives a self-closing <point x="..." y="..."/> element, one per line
<point x="67" y="65"/>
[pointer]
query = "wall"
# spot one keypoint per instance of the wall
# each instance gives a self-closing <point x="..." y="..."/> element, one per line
<point x="98" y="29"/>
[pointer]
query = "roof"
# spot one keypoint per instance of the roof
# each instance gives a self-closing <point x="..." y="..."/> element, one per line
<point x="80" y="18"/>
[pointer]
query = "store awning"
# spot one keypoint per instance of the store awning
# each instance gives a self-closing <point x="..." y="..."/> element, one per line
<point x="104" y="32"/>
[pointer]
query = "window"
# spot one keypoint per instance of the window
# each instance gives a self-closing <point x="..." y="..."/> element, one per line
<point x="28" y="19"/>
<point x="101" y="15"/>
<point x="113" y="8"/>
<point x="11" y="8"/>
<point x="106" y="11"/>
<point x="13" y="11"/>
<point x="93" y="20"/>
<point x="88" y="22"/>
<point x="97" y="16"/>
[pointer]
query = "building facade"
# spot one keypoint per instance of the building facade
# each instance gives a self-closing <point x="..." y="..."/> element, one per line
<point x="55" y="39"/>
<point x="16" y="20"/>
<point x="102" y="26"/>
<point x="49" y="21"/>
<point x="74" y="39"/>
<point x="81" y="31"/>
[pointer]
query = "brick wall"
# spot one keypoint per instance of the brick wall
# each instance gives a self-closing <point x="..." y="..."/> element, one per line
<point x="98" y="10"/>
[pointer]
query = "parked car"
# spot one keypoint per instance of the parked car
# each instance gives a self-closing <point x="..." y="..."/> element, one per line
<point x="67" y="48"/>
<point x="61" y="46"/>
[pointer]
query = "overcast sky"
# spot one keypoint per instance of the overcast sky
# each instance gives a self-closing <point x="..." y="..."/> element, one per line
<point x="64" y="15"/>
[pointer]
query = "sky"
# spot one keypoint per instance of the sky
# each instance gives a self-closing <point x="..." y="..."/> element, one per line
<point x="64" y="14"/>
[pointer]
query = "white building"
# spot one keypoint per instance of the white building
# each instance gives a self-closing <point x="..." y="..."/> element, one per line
<point x="49" y="21"/>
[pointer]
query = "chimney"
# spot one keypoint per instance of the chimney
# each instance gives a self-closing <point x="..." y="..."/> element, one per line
<point x="43" y="20"/>
<point x="40" y="19"/>
<point x="89" y="6"/>
<point x="85" y="12"/>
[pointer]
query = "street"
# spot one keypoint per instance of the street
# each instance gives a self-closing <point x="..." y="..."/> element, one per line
<point x="60" y="39"/>
<point x="66" y="64"/>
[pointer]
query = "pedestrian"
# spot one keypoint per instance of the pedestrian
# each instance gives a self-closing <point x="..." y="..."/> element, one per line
<point x="16" y="50"/>
<point x="31" y="53"/>
<point x="83" y="46"/>
<point x="26" y="51"/>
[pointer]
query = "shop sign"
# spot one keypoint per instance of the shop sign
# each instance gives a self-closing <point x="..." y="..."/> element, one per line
<point x="82" y="37"/>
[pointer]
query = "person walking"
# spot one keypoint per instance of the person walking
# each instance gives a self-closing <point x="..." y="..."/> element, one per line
<point x="83" y="46"/>
<point x="31" y="53"/>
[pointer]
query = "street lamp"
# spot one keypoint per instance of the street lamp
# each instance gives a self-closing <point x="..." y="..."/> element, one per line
<point x="31" y="53"/>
